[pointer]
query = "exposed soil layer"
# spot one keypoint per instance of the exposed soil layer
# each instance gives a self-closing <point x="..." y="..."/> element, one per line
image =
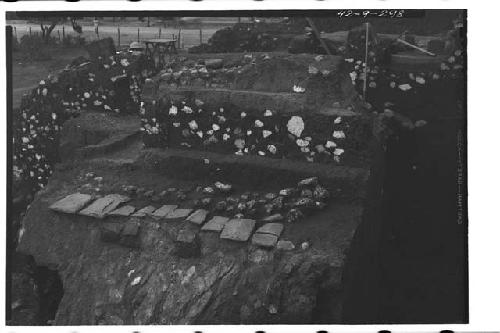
<point x="229" y="283"/>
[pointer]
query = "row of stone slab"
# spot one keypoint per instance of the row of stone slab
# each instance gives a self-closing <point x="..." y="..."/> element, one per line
<point x="237" y="229"/>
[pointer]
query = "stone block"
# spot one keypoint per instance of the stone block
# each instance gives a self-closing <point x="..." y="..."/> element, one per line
<point x="123" y="211"/>
<point x="238" y="230"/>
<point x="72" y="203"/>
<point x="271" y="228"/>
<point x="187" y="244"/>
<point x="216" y="224"/>
<point x="198" y="217"/>
<point x="264" y="240"/>
<point x="103" y="206"/>
<point x="163" y="211"/>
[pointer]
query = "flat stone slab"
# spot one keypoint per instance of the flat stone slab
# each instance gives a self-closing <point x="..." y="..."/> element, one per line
<point x="146" y="211"/>
<point x="264" y="240"/>
<point x="163" y="211"/>
<point x="238" y="230"/>
<point x="216" y="224"/>
<point x="123" y="211"/>
<point x="198" y="217"/>
<point x="271" y="228"/>
<point x="179" y="213"/>
<point x="71" y="203"/>
<point x="103" y="206"/>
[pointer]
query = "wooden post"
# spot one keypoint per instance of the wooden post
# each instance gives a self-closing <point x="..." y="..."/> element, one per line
<point x="179" y="39"/>
<point x="159" y="32"/>
<point x="119" y="38"/>
<point x="201" y="37"/>
<point x="15" y="33"/>
<point x="30" y="31"/>
<point x="59" y="35"/>
<point x="64" y="33"/>
<point x="138" y="38"/>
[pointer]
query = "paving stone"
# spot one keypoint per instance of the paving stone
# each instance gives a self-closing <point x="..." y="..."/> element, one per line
<point x="264" y="240"/>
<point x="71" y="203"/>
<point x="238" y="230"/>
<point x="110" y="232"/>
<point x="216" y="224"/>
<point x="285" y="245"/>
<point x="271" y="228"/>
<point x="123" y="211"/>
<point x="198" y="217"/>
<point x="103" y="206"/>
<point x="187" y="244"/>
<point x="163" y="211"/>
<point x="273" y="218"/>
<point x="179" y="213"/>
<point x="146" y="211"/>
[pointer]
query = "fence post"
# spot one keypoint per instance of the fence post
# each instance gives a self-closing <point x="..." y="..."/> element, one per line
<point x="15" y="33"/>
<point x="59" y="35"/>
<point x="201" y="37"/>
<point x="119" y="38"/>
<point x="159" y="32"/>
<point x="64" y="33"/>
<point x="30" y="31"/>
<point x="179" y="39"/>
<point x="138" y="38"/>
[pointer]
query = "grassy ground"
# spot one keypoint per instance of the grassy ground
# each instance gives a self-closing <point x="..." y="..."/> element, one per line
<point x="27" y="74"/>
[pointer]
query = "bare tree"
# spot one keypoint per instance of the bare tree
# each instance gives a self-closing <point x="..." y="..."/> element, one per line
<point x="47" y="25"/>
